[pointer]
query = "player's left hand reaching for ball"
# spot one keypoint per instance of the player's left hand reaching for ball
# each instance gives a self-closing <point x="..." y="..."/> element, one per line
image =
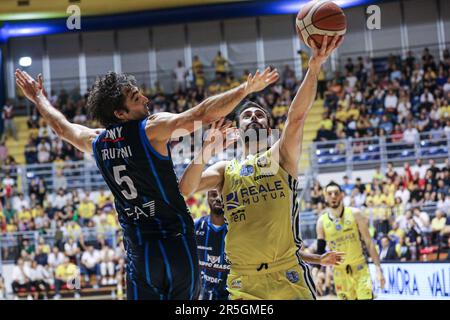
<point x="320" y="55"/>
<point x="332" y="258"/>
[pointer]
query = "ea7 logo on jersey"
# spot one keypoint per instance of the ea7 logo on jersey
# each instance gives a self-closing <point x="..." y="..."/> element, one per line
<point x="147" y="210"/>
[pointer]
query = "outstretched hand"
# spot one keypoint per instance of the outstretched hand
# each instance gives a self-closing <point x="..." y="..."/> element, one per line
<point x="260" y="81"/>
<point x="216" y="139"/>
<point x="29" y="86"/>
<point x="332" y="258"/>
<point x="320" y="55"/>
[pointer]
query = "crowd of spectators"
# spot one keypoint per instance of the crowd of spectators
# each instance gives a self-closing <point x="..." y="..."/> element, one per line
<point x="408" y="210"/>
<point x="406" y="97"/>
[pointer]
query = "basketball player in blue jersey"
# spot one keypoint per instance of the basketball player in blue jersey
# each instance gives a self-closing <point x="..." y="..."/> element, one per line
<point x="210" y="232"/>
<point x="133" y="156"/>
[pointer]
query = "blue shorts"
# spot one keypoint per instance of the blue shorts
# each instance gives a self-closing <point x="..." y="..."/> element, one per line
<point x="163" y="269"/>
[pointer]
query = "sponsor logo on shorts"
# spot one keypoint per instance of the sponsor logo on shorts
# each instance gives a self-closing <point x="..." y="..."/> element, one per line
<point x="292" y="276"/>
<point x="247" y="171"/>
<point x="236" y="284"/>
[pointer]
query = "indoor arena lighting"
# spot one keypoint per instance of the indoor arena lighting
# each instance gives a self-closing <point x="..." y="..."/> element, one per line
<point x="25" y="61"/>
<point x="295" y="6"/>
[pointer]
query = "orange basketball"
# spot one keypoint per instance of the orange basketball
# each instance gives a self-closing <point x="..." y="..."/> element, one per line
<point x="319" y="18"/>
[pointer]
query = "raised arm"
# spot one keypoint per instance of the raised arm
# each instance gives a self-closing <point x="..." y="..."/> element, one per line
<point x="362" y="223"/>
<point x="79" y="136"/>
<point x="195" y="178"/>
<point x="163" y="126"/>
<point x="291" y="139"/>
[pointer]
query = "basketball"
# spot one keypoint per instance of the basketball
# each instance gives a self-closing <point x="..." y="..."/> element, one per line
<point x="319" y="18"/>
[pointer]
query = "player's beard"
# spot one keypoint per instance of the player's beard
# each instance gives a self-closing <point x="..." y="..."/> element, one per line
<point x="334" y="206"/>
<point x="216" y="208"/>
<point x="255" y="132"/>
<point x="217" y="211"/>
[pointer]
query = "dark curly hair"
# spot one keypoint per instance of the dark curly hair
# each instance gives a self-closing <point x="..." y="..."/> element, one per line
<point x="108" y="94"/>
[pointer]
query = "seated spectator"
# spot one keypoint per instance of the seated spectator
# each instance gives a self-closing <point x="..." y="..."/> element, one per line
<point x="55" y="258"/>
<point x="90" y="260"/>
<point x="402" y="249"/>
<point x="396" y="233"/>
<point x="86" y="210"/>
<point x="387" y="252"/>
<point x="107" y="265"/>
<point x="20" y="280"/>
<point x="2" y="288"/>
<point x="437" y="225"/>
<point x="38" y="276"/>
<point x="67" y="273"/>
<point x="71" y="250"/>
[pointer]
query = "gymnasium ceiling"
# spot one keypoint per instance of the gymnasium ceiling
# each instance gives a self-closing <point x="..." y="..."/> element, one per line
<point x="10" y="10"/>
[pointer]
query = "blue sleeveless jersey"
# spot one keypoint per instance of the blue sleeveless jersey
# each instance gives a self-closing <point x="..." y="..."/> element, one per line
<point x="211" y="254"/>
<point x="143" y="182"/>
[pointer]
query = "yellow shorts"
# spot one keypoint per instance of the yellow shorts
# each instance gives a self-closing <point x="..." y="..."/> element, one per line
<point x="288" y="280"/>
<point x="353" y="282"/>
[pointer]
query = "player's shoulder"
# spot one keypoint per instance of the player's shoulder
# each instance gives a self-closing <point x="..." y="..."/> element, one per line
<point x="356" y="212"/>
<point x="198" y="221"/>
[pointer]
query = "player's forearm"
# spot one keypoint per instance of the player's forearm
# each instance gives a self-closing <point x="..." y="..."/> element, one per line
<point x="51" y="115"/>
<point x="373" y="253"/>
<point x="305" y="96"/>
<point x="310" y="257"/>
<point x="192" y="176"/>
<point x="218" y="106"/>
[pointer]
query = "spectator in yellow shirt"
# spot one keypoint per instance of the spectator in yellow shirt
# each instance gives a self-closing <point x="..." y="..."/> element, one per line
<point x="73" y="230"/>
<point x="67" y="273"/>
<point x="220" y="65"/>
<point x="24" y="215"/>
<point x="353" y="112"/>
<point x="326" y="122"/>
<point x="37" y="211"/>
<point x="102" y="198"/>
<point x="86" y="210"/>
<point x="437" y="225"/>
<point x="341" y="114"/>
<point x="396" y="233"/>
